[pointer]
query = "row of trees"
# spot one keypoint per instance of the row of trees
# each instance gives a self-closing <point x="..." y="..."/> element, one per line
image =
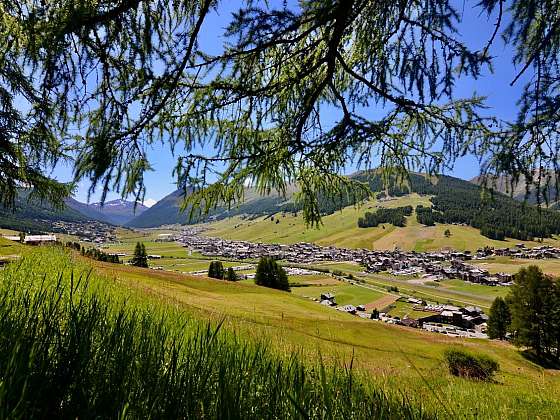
<point x="530" y="313"/>
<point x="216" y="271"/>
<point x="269" y="273"/>
<point x="396" y="217"/>
<point x="98" y="255"/>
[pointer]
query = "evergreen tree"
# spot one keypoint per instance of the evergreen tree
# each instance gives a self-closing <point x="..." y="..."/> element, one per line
<point x="447" y="233"/>
<point x="270" y="274"/>
<point x="140" y="258"/>
<point x="216" y="270"/>
<point x="499" y="319"/>
<point x="231" y="276"/>
<point x="535" y="307"/>
<point x="408" y="56"/>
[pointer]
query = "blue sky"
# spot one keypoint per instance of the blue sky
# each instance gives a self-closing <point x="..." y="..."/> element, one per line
<point x="475" y="30"/>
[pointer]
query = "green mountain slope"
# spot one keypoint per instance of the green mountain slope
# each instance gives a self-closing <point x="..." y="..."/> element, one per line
<point x="452" y="201"/>
<point x="34" y="216"/>
<point x="167" y="210"/>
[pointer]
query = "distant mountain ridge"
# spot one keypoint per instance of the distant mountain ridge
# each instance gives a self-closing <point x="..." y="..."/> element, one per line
<point x="167" y="210"/>
<point x="518" y="191"/>
<point x="115" y="212"/>
<point x="34" y="216"/>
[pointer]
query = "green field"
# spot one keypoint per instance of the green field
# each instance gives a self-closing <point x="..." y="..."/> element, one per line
<point x="404" y="310"/>
<point x="345" y="294"/>
<point x="340" y="229"/>
<point x="393" y="358"/>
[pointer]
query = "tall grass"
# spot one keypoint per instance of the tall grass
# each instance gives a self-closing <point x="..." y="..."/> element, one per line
<point x="71" y="347"/>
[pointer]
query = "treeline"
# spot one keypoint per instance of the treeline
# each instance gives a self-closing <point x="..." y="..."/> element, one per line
<point x="396" y="217"/>
<point x="456" y="201"/>
<point x="98" y="255"/>
<point x="93" y="253"/>
<point x="530" y="314"/>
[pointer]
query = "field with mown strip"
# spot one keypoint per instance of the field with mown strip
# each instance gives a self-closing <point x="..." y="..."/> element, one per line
<point x="395" y="359"/>
<point x="340" y="229"/>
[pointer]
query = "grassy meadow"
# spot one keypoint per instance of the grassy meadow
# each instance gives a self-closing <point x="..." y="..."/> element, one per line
<point x="340" y="229"/>
<point x="269" y="349"/>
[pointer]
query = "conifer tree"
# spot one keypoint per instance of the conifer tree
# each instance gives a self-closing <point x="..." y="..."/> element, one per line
<point x="499" y="319"/>
<point x="140" y="258"/>
<point x="231" y="276"/>
<point x="270" y="274"/>
<point x="535" y="309"/>
<point x="216" y="270"/>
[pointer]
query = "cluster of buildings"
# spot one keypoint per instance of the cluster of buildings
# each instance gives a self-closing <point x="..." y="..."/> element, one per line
<point x="437" y="265"/>
<point x="32" y="239"/>
<point x="91" y="231"/>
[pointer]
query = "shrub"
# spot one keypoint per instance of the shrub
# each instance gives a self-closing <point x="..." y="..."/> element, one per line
<point x="466" y="365"/>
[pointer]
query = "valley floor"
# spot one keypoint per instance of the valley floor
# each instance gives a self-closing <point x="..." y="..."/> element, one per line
<point x="404" y="361"/>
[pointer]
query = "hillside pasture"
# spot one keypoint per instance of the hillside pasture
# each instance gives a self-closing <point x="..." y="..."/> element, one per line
<point x="394" y="357"/>
<point x="340" y="229"/>
<point x="399" y="360"/>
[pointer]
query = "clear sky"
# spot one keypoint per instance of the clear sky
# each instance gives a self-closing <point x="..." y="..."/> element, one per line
<point x="475" y="29"/>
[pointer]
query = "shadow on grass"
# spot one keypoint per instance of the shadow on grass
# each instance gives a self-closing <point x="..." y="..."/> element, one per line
<point x="542" y="361"/>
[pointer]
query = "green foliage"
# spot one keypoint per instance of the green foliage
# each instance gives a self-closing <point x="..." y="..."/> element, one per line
<point x="271" y="274"/>
<point x="466" y="365"/>
<point x="395" y="216"/>
<point x="534" y="302"/>
<point x="447" y="233"/>
<point x="74" y="344"/>
<point x="499" y="319"/>
<point x="231" y="276"/>
<point x="140" y="257"/>
<point x="216" y="270"/>
<point x="98" y="255"/>
<point x="424" y="215"/>
<point x="407" y="58"/>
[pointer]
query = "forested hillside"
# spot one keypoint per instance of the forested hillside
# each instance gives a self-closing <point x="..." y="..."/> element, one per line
<point x="453" y="201"/>
<point x="34" y="217"/>
<point x="167" y="210"/>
